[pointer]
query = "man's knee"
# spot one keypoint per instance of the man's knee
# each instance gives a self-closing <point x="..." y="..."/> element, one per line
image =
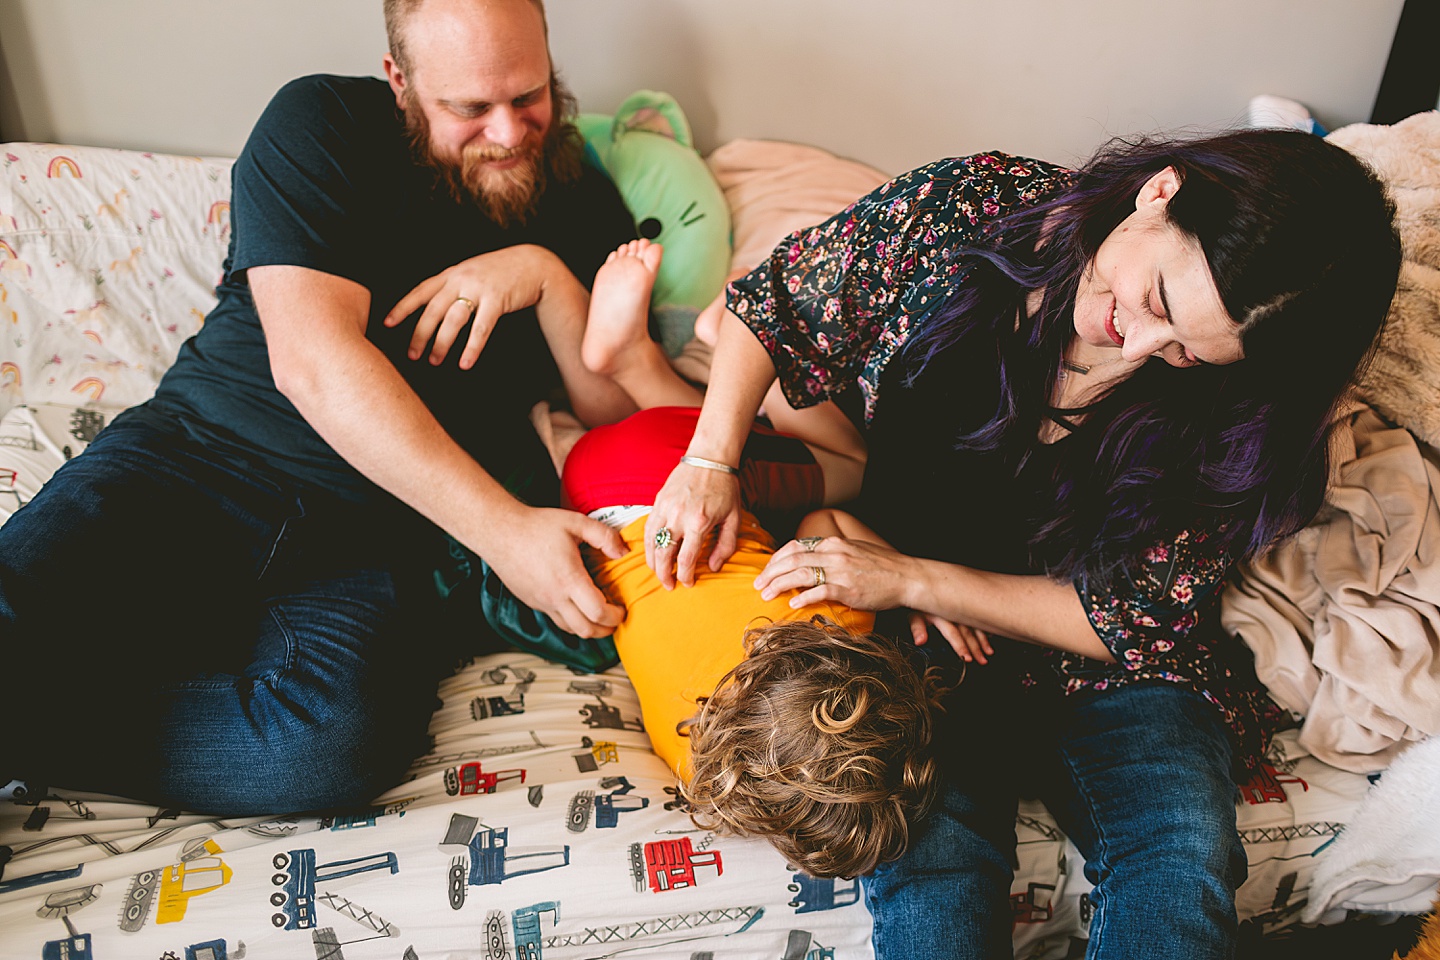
<point x="274" y="758"/>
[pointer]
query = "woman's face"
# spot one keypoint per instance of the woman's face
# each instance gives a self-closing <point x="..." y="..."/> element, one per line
<point x="1148" y="292"/>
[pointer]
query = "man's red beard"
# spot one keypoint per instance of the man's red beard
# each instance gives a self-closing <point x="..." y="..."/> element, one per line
<point x="506" y="196"/>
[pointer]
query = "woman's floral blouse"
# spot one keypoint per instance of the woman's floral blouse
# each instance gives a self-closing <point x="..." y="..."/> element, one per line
<point x="833" y="304"/>
<point x="1160" y="620"/>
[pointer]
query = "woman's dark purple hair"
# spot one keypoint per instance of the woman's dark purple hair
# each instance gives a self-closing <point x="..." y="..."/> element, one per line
<point x="1300" y="240"/>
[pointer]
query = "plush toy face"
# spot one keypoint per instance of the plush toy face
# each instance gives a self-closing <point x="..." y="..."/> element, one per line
<point x="646" y="149"/>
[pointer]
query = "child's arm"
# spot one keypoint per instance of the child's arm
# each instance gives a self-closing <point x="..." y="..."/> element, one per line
<point x="969" y="643"/>
<point x="829" y="522"/>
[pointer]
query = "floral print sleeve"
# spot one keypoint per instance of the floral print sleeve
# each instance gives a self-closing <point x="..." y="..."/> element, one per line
<point x="833" y="304"/>
<point x="1161" y="621"/>
<point x="1157" y="599"/>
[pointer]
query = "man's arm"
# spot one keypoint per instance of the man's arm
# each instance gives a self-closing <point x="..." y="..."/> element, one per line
<point x="358" y="403"/>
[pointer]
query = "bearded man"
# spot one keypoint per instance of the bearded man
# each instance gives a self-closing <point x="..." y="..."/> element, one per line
<point x="266" y="526"/>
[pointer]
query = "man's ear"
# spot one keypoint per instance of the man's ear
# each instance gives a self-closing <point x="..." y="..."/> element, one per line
<point x="1159" y="188"/>
<point x="396" y="78"/>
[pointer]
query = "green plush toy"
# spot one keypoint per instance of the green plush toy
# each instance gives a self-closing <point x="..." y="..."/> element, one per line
<point x="647" y="149"/>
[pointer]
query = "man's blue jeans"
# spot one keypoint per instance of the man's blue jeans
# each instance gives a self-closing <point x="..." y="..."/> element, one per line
<point x="205" y="634"/>
<point x="1137" y="776"/>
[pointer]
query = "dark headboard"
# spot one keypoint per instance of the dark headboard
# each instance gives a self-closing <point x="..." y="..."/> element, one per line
<point x="1412" y="74"/>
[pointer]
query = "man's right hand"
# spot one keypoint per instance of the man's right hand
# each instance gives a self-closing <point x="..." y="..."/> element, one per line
<point x="539" y="560"/>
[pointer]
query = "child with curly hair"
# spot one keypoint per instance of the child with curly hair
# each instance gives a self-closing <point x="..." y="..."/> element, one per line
<point x="790" y="723"/>
<point x="819" y="740"/>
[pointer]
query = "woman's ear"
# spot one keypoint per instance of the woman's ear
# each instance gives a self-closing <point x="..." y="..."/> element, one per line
<point x="1158" y="189"/>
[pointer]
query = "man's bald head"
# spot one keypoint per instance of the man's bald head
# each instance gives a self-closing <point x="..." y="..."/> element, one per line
<point x="398" y="13"/>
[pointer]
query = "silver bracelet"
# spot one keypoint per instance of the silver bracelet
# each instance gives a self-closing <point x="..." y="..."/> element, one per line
<point x="690" y="461"/>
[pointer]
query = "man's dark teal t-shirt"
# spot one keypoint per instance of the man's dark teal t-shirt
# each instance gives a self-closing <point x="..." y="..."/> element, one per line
<point x="328" y="181"/>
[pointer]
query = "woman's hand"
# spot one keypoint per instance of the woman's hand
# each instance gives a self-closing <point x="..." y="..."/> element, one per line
<point x="821" y="527"/>
<point x="857" y="573"/>
<point x="867" y="576"/>
<point x="693" y="502"/>
<point x="486" y="288"/>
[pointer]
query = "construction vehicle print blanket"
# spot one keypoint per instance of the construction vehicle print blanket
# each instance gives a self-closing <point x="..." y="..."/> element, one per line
<point x="541" y="826"/>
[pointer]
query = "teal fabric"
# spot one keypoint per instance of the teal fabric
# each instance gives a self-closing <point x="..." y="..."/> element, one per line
<point x="533" y="632"/>
<point x="468" y="579"/>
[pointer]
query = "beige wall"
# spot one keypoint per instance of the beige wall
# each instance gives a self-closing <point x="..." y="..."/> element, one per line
<point x="891" y="82"/>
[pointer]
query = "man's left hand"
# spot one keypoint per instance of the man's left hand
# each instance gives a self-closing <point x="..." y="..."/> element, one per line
<point x="485" y="287"/>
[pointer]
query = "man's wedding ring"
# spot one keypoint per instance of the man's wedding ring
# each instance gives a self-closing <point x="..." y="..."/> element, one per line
<point x="819" y="573"/>
<point x="663" y="537"/>
<point x="468" y="302"/>
<point x="809" y="543"/>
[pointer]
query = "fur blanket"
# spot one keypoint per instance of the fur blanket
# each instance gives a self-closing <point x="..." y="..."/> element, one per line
<point x="1403" y="383"/>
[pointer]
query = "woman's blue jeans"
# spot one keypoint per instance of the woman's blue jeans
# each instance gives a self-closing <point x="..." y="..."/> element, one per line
<point x="1137" y="776"/>
<point x="205" y="634"/>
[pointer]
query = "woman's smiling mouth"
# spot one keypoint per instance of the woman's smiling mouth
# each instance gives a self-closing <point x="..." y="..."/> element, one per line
<point x="1110" y="330"/>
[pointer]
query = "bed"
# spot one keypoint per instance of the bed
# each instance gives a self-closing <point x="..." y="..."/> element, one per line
<point x="541" y="824"/>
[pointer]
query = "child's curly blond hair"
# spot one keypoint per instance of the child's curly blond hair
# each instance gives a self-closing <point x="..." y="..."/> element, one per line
<point x="820" y="742"/>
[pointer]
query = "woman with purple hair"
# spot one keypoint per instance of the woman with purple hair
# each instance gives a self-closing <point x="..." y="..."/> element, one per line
<point x="1087" y="395"/>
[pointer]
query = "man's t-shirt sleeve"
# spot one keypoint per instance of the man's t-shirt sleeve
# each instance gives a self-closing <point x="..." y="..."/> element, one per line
<point x="299" y="186"/>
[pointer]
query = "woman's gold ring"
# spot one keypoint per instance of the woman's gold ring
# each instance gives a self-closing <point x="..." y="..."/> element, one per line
<point x="468" y="302"/>
<point x="819" y="573"/>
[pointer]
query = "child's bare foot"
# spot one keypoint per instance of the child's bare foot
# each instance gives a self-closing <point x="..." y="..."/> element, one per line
<point x="620" y="306"/>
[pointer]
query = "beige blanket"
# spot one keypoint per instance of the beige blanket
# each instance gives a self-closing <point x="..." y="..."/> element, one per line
<point x="775" y="188"/>
<point x="1344" y="619"/>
